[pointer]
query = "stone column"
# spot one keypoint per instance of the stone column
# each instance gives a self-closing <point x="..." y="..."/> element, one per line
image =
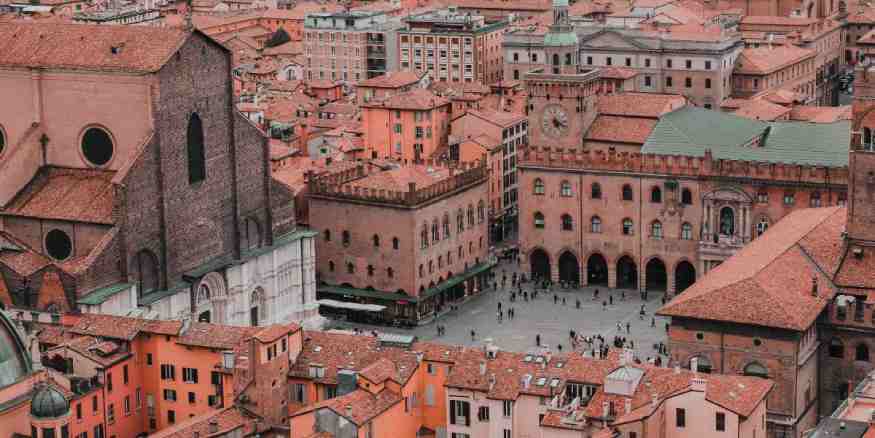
<point x="612" y="276"/>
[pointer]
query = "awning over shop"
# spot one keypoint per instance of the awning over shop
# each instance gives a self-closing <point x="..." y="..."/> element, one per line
<point x="351" y="306"/>
<point x="402" y="298"/>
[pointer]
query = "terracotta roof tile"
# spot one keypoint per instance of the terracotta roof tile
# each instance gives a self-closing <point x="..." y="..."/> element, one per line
<point x="80" y="195"/>
<point x="122" y="327"/>
<point x="393" y="80"/>
<point x="144" y="49"/>
<point x="227" y="420"/>
<point x="22" y="259"/>
<point x="769" y="282"/>
<point x="359" y="406"/>
<point x="503" y="119"/>
<point x="416" y="99"/>
<point x="399" y="178"/>
<point x="104" y="353"/>
<point x="761" y="109"/>
<point x="275" y="331"/>
<point x="765" y="59"/>
<point x="633" y="130"/>
<point x="651" y="105"/>
<point x="820" y="114"/>
<point x="216" y="336"/>
<point x="336" y="351"/>
<point x="51" y="293"/>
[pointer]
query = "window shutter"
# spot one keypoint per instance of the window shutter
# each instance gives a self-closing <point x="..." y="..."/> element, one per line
<point x="466" y="409"/>
<point x="453" y="411"/>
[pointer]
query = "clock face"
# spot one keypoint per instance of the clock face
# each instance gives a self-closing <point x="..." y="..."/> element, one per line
<point x="554" y="121"/>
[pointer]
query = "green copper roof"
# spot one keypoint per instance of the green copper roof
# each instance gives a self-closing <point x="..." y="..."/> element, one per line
<point x="560" y="39"/>
<point x="560" y="3"/>
<point x="98" y="296"/>
<point x="690" y="131"/>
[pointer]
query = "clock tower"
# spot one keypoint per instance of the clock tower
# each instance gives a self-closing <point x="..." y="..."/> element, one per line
<point x="561" y="96"/>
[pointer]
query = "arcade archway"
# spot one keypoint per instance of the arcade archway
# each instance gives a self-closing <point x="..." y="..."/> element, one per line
<point x="657" y="277"/>
<point x="597" y="270"/>
<point x="684" y="276"/>
<point x="540" y="264"/>
<point x="627" y="273"/>
<point x="569" y="268"/>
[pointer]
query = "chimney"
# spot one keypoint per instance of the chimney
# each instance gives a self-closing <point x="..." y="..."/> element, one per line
<point x="482" y="368"/>
<point x="814" y="286"/>
<point x="213" y="426"/>
<point x="606" y="409"/>
<point x="694" y="365"/>
<point x="698" y="384"/>
<point x="628" y="405"/>
<point x="349" y="410"/>
<point x="491" y="381"/>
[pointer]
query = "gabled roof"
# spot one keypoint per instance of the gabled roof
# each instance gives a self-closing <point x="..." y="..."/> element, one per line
<point x="769" y="282"/>
<point x="766" y="59"/>
<point x="78" y="195"/>
<point x="363" y="406"/>
<point x="691" y="131"/>
<point x="393" y="79"/>
<point x="140" y="49"/>
<point x="122" y="327"/>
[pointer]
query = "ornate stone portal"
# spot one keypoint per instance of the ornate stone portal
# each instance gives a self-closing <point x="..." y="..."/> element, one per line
<point x="726" y="225"/>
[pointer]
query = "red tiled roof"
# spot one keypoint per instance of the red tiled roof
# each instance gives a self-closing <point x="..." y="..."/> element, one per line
<point x="778" y="20"/>
<point x="23" y="260"/>
<point x="226" y="420"/>
<point x="399" y="178"/>
<point x="617" y="73"/>
<point x="336" y="351"/>
<point x="359" y="406"/>
<point x="104" y="353"/>
<point x="79" y="195"/>
<point x="761" y="109"/>
<point x="144" y="49"/>
<point x="380" y="371"/>
<point x="503" y="119"/>
<point x="765" y="59"/>
<point x="393" y="80"/>
<point x="122" y="327"/>
<point x="769" y="282"/>
<point x="216" y="336"/>
<point x="621" y="129"/>
<point x="275" y="331"/>
<point x="650" y="105"/>
<point x="416" y="99"/>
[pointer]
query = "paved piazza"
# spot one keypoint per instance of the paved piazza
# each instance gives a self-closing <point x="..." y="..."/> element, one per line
<point x="542" y="316"/>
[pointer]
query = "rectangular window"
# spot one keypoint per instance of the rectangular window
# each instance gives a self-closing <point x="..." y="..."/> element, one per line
<point x="707" y="83"/>
<point x="192" y="399"/>
<point x="647" y="62"/>
<point x="397" y="128"/>
<point x="680" y="417"/>
<point x="98" y="431"/>
<point x="78" y="411"/>
<point x="108" y="382"/>
<point x="668" y="81"/>
<point x="483" y="413"/>
<point x="125" y="374"/>
<point x="171" y="417"/>
<point x="507" y="434"/>
<point x="149" y="359"/>
<point x="127" y="405"/>
<point x="589" y="60"/>
<point x="707" y="65"/>
<point x="668" y="63"/>
<point x="299" y="393"/>
<point x="628" y="62"/>
<point x="507" y="408"/>
<point x="110" y="413"/>
<point x="688" y="82"/>
<point x="168" y="372"/>
<point x="170" y="394"/>
<point x="608" y="61"/>
<point x="720" y="422"/>
<point x="94" y="404"/>
<point x="138" y="399"/>
<point x="689" y="64"/>
<point x="189" y="375"/>
<point x="647" y="81"/>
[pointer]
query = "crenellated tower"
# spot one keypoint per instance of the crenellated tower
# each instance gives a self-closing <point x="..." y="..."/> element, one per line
<point x="861" y="162"/>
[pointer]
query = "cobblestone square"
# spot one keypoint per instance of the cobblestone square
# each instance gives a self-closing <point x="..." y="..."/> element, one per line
<point x="552" y="321"/>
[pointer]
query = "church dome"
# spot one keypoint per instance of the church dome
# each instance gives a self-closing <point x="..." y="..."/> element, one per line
<point x="14" y="360"/>
<point x="48" y="402"/>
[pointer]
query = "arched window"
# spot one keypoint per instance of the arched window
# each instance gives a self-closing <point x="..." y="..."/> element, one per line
<point x="345" y="239"/>
<point x="440" y="262"/>
<point x="435" y="232"/>
<point x="330" y="266"/>
<point x="836" y="348"/>
<point x="423" y="236"/>
<point x="756" y="369"/>
<point x="327" y="235"/>
<point x="595" y="224"/>
<point x="762" y="225"/>
<point x="481" y="212"/>
<point x="655" y="194"/>
<point x="627" y="192"/>
<point x="2" y="139"/>
<point x="350" y="268"/>
<point x="470" y="215"/>
<point x="565" y="189"/>
<point x="445" y="224"/>
<point x="686" y="197"/>
<point x="539" y="186"/>
<point x="395" y="243"/>
<point x="376" y="240"/>
<point x="686" y="231"/>
<point x="421" y="271"/>
<point x="656" y="230"/>
<point x="390" y="273"/>
<point x="862" y="352"/>
<point x="257" y="307"/>
<point x="567" y="222"/>
<point x="539" y="220"/>
<point x="628" y="229"/>
<point x="815" y="199"/>
<point x="567" y="59"/>
<point x="197" y="166"/>
<point x="370" y="270"/>
<point x="596" y="191"/>
<point x="147" y="272"/>
<point x="555" y="59"/>
<point x="460" y="221"/>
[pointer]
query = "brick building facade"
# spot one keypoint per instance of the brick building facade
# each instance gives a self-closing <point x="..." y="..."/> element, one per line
<point x="660" y="218"/>
<point x="166" y="206"/>
<point x="410" y="238"/>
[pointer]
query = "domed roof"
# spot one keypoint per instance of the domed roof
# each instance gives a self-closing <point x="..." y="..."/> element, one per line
<point x="49" y="402"/>
<point x="14" y="360"/>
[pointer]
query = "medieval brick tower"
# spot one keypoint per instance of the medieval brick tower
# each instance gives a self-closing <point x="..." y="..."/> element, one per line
<point x="861" y="181"/>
